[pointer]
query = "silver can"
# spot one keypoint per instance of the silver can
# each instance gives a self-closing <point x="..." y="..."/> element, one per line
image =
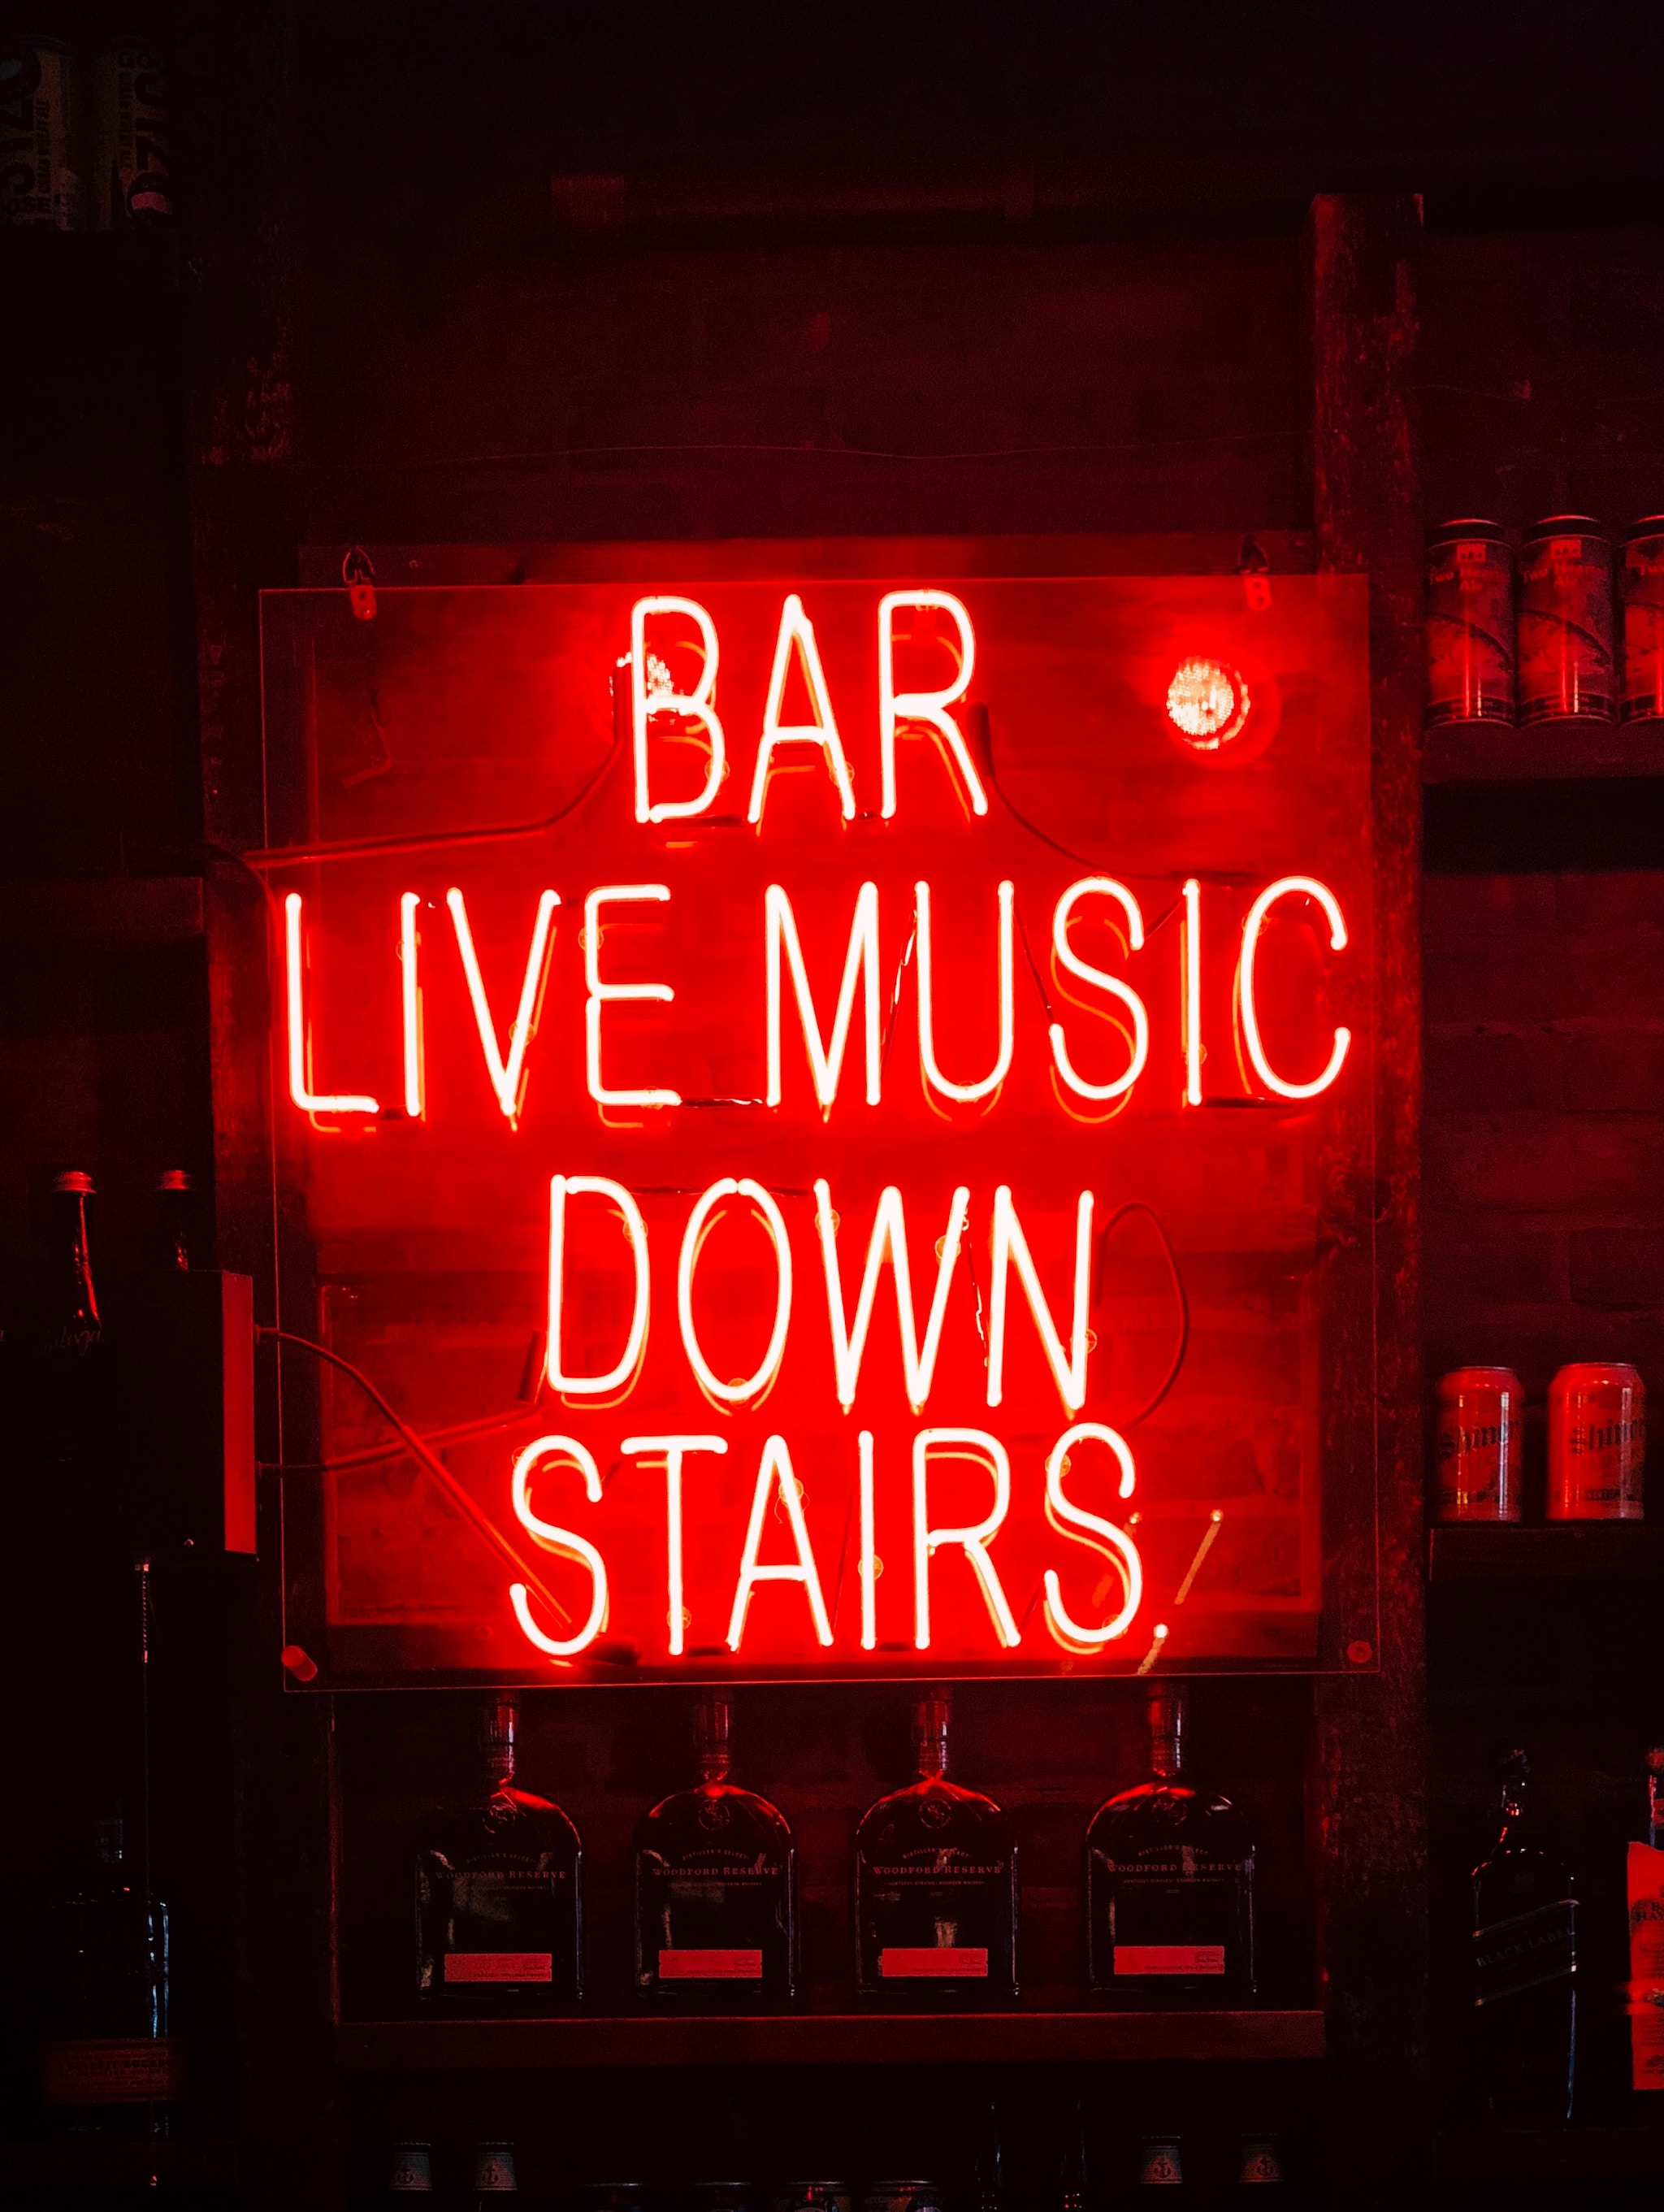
<point x="132" y="135"/>
<point x="1566" y="661"/>
<point x="41" y="138"/>
<point x="1641" y="593"/>
<point x="1470" y="624"/>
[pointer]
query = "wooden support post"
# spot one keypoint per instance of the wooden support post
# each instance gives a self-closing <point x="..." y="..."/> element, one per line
<point x="1371" y="1728"/>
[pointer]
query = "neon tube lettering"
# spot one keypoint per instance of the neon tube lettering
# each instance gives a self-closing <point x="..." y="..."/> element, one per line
<point x="1190" y="990"/>
<point x="299" y="1037"/>
<point x="601" y="994"/>
<point x="636" y="1229"/>
<point x="776" y="1479"/>
<point x="965" y="1092"/>
<point x="889" y="1236"/>
<point x="1287" y="887"/>
<point x="1101" y="1536"/>
<point x="929" y="707"/>
<point x="507" y="1075"/>
<point x="564" y="1542"/>
<point x="1067" y="958"/>
<point x="675" y="1449"/>
<point x="647" y="701"/>
<point x="410" y="982"/>
<point x="860" y="964"/>
<point x="757" y="1385"/>
<point x="1012" y="1247"/>
<point x="960" y="1444"/>
<point x="868" y="1570"/>
<point x="796" y="630"/>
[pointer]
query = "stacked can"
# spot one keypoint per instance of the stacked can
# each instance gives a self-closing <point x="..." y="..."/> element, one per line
<point x="41" y="135"/>
<point x="61" y="118"/>
<point x="1597" y="1442"/>
<point x="1470" y="624"/>
<point x="1566" y="660"/>
<point x="1481" y="1440"/>
<point x="1641" y="582"/>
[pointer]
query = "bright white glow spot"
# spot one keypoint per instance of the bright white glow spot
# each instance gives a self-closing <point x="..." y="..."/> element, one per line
<point x="1113" y="1544"/>
<point x="1207" y="703"/>
<point x="675" y="1449"/>
<point x="1287" y="887"/>
<point x="507" y="1074"/>
<point x="563" y="1541"/>
<point x="299" y="1036"/>
<point x="757" y="1385"/>
<point x="972" y="1444"/>
<point x="776" y="1480"/>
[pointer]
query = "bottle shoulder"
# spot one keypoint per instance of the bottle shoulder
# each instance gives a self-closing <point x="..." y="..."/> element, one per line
<point x="933" y="1807"/>
<point x="508" y="1819"/>
<point x="711" y="1812"/>
<point x="1170" y="1808"/>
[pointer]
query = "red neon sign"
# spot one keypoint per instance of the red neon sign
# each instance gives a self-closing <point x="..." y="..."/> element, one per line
<point x="831" y="1223"/>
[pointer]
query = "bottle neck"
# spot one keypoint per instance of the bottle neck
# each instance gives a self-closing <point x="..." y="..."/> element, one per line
<point x="713" y="1730"/>
<point x="1166" y="1733"/>
<point x="1655" y="1799"/>
<point x="78" y="1300"/>
<point x="1512" y="1805"/>
<point x="496" y="1742"/>
<point x="930" y="1738"/>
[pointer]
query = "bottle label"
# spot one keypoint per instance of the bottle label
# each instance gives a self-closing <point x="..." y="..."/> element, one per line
<point x="499" y="1966"/>
<point x="128" y="2069"/>
<point x="960" y="1964"/>
<point x="1160" y="2168"/>
<point x="1169" y="1958"/>
<point x="1526" y="1951"/>
<point x="1646" y="1900"/>
<point x="714" y="1965"/>
<point x="493" y="2174"/>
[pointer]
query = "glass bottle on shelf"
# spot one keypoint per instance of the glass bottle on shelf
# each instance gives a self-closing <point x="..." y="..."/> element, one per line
<point x="1645" y="1896"/>
<point x="494" y="2175"/>
<point x="72" y="1393"/>
<point x="715" y="1885"/>
<point x="1525" y="1958"/>
<point x="178" y="1241"/>
<point x="111" y="2064"/>
<point x="499" y="1892"/>
<point x="936" y="1885"/>
<point x="1170" y="1882"/>
<point x="410" y="2170"/>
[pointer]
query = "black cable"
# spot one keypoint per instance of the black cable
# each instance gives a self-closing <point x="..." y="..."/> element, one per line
<point x="1138" y="1205"/>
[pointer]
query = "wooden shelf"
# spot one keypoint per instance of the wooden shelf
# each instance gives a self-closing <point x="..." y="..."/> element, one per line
<point x="824" y="2039"/>
<point x="1570" y="1551"/>
<point x="1546" y="753"/>
<point x="1539" y="2154"/>
<point x="194" y="2163"/>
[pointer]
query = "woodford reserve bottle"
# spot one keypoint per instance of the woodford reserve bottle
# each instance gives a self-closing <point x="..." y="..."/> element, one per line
<point x="936" y="1885"/>
<point x="1170" y="1882"/>
<point x="499" y="1892"/>
<point x="715" y="1885"/>
<point x="1525" y="1962"/>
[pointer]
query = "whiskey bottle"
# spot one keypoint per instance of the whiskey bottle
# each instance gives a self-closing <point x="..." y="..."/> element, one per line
<point x="111" y="2064"/>
<point x="936" y="1885"/>
<point x="715" y="1885"/>
<point x="1525" y="1960"/>
<point x="499" y="1892"/>
<point x="1170" y="1882"/>
<point x="1645" y="1890"/>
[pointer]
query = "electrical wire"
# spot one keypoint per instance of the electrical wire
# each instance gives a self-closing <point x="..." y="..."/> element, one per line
<point x="434" y="1465"/>
<point x="1139" y="1206"/>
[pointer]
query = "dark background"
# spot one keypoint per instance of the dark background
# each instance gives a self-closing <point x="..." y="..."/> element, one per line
<point x="913" y="270"/>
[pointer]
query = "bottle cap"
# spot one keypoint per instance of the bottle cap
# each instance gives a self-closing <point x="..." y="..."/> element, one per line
<point x="411" y="2174"/>
<point x="75" y="1181"/>
<point x="494" y="2170"/>
<point x="495" y="1735"/>
<point x="176" y="1179"/>
<point x="1160" y="2165"/>
<point x="1259" y="2165"/>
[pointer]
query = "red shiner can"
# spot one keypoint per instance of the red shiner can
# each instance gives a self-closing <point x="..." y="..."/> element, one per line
<point x="1470" y="624"/>
<point x="1481" y="1410"/>
<point x="1565" y="633"/>
<point x="1597" y="1442"/>
<point x="1641" y="586"/>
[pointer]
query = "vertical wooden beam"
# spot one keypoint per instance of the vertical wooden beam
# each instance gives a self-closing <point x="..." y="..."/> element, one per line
<point x="1371" y="1730"/>
<point x="238" y="82"/>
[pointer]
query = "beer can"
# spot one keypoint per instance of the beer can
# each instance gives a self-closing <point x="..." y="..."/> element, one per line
<point x="1481" y="1410"/>
<point x="1470" y="624"/>
<point x="1597" y="1442"/>
<point x="1641" y="591"/>
<point x="132" y="135"/>
<point x="42" y="144"/>
<point x="1565" y="627"/>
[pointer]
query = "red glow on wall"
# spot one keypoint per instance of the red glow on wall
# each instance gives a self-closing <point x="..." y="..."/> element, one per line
<point x="868" y="1104"/>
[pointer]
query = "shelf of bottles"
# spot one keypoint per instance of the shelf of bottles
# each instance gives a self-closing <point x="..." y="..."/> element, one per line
<point x="500" y="1979"/>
